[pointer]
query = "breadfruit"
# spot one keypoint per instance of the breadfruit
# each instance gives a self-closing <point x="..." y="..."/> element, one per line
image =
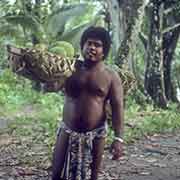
<point x="68" y="47"/>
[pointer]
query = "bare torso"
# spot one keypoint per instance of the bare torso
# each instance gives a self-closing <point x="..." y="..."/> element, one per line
<point x="86" y="96"/>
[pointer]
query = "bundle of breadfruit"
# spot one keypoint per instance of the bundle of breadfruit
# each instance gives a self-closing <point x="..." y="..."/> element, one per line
<point x="127" y="77"/>
<point x="41" y="65"/>
<point x="128" y="81"/>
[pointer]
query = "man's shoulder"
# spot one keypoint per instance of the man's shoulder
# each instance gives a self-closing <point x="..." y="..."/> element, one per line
<point x="111" y="71"/>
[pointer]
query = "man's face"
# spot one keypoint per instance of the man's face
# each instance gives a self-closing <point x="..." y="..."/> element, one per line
<point x="93" y="50"/>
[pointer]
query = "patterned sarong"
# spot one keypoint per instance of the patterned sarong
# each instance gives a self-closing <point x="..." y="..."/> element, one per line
<point x="78" y="159"/>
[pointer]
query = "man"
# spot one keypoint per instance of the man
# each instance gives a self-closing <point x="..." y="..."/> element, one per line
<point x="81" y="136"/>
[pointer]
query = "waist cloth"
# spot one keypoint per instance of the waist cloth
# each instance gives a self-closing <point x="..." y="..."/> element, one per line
<point x="77" y="165"/>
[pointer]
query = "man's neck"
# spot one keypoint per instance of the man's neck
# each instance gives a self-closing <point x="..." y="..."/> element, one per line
<point x="89" y="64"/>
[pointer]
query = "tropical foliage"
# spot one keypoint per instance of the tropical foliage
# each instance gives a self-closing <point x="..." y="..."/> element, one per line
<point x="44" y="22"/>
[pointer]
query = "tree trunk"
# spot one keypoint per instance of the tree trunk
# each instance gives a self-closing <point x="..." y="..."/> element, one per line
<point x="132" y="11"/>
<point x="169" y="44"/>
<point x="154" y="81"/>
<point x="116" y="24"/>
<point x="170" y="39"/>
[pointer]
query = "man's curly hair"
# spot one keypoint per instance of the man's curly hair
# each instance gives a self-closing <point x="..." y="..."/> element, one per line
<point x="99" y="33"/>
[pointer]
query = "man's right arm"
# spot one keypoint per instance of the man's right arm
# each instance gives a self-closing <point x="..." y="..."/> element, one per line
<point x="116" y="101"/>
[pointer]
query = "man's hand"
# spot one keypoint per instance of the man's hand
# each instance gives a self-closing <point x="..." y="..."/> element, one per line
<point x="52" y="86"/>
<point x="116" y="149"/>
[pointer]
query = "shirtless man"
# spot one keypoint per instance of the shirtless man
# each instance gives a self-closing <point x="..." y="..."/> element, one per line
<point x="81" y="136"/>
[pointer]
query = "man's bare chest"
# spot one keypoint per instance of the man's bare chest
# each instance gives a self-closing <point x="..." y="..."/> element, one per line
<point x="95" y="83"/>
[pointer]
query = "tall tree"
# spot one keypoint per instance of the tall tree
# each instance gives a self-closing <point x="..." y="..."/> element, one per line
<point x="114" y="19"/>
<point x="162" y="39"/>
<point x="154" y="83"/>
<point x="170" y="39"/>
<point x="132" y="11"/>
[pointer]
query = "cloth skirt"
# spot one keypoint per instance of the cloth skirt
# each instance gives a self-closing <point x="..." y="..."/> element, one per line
<point x="78" y="158"/>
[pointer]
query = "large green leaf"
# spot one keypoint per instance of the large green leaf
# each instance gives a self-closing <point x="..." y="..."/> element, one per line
<point x="57" y="21"/>
<point x="26" y="21"/>
<point x="9" y="30"/>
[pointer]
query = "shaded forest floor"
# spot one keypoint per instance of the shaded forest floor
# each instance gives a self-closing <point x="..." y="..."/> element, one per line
<point x="26" y="157"/>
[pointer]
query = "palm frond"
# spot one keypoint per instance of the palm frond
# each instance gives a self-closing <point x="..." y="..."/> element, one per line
<point x="68" y="7"/>
<point x="11" y="34"/>
<point x="9" y="30"/>
<point x="57" y="21"/>
<point x="26" y="21"/>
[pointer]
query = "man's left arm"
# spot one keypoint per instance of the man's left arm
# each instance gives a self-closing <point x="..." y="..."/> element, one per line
<point x="116" y="101"/>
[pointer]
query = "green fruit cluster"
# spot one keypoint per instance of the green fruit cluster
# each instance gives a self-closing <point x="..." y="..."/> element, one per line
<point x="62" y="48"/>
<point x="48" y="66"/>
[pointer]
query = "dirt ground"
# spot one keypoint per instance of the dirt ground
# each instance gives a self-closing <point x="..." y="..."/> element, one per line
<point x="151" y="158"/>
